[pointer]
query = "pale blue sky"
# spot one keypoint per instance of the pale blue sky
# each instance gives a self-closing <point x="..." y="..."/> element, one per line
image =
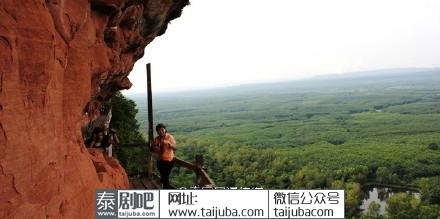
<point x="230" y="42"/>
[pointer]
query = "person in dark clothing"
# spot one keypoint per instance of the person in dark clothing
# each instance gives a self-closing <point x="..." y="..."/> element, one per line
<point x="98" y="140"/>
<point x="164" y="144"/>
<point x="111" y="140"/>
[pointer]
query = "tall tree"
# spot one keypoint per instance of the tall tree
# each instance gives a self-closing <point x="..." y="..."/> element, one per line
<point x="124" y="119"/>
<point x="124" y="122"/>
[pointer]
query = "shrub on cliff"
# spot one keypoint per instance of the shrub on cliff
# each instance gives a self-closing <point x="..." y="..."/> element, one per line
<point x="124" y="121"/>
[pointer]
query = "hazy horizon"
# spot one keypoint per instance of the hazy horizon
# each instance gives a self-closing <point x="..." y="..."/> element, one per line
<point x="214" y="45"/>
<point x="324" y="77"/>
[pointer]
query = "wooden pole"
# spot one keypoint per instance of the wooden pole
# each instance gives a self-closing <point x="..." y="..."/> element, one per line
<point x="150" y="122"/>
<point x="199" y="163"/>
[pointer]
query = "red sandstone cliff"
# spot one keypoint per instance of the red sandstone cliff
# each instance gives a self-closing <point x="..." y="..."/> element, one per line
<point x="58" y="60"/>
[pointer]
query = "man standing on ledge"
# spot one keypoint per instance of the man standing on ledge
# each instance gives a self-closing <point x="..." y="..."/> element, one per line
<point x="164" y="144"/>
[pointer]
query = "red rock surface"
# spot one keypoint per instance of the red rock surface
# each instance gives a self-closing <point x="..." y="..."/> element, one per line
<point x="59" y="59"/>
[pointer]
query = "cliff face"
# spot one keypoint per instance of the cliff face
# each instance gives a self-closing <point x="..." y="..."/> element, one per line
<point x="59" y="59"/>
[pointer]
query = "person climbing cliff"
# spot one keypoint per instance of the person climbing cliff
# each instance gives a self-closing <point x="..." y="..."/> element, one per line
<point x="104" y="139"/>
<point x="112" y="140"/>
<point x="97" y="140"/>
<point x="165" y="145"/>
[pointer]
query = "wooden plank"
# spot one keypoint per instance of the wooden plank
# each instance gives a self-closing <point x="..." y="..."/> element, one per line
<point x="204" y="177"/>
<point x="186" y="164"/>
<point x="206" y="180"/>
<point x="153" y="181"/>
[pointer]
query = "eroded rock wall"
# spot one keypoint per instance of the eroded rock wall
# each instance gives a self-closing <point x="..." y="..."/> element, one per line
<point x="59" y="59"/>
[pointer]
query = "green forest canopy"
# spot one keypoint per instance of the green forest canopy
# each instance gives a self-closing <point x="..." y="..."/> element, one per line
<point x="312" y="134"/>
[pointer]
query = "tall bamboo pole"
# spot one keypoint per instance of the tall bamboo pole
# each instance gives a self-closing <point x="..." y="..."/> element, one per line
<point x="150" y="122"/>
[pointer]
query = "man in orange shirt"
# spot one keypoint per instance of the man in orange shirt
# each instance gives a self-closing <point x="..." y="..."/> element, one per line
<point x="164" y="144"/>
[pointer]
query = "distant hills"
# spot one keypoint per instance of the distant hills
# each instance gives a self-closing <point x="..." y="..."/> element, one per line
<point x="393" y="72"/>
<point x="396" y="77"/>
